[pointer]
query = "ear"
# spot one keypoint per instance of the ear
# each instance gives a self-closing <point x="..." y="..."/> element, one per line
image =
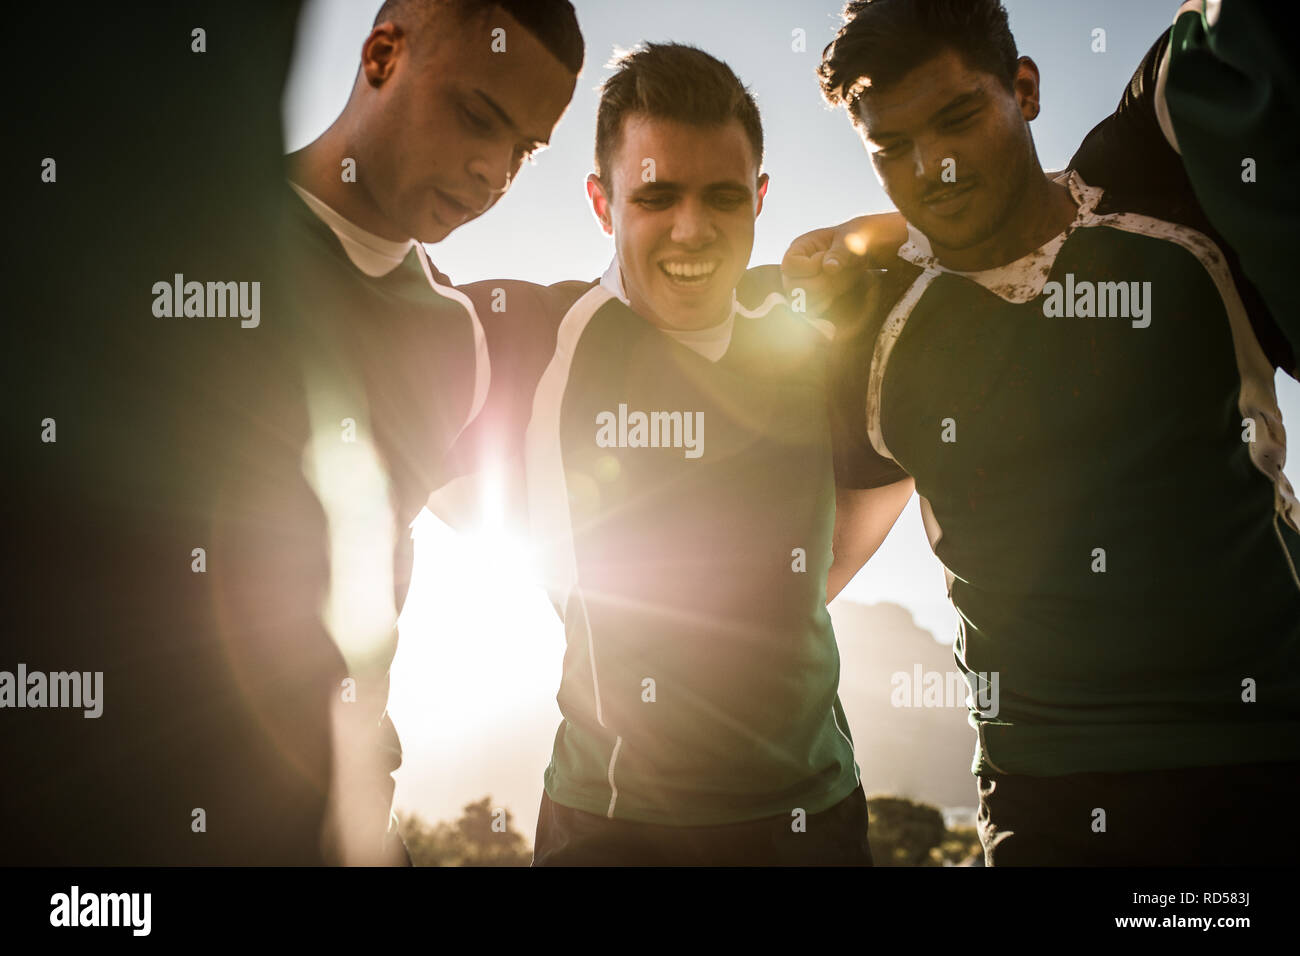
<point x="1025" y="86"/>
<point x="762" y="193"/>
<point x="381" y="51"/>
<point x="599" y="203"/>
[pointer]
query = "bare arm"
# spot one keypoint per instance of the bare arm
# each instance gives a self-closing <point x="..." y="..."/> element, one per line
<point x="827" y="262"/>
<point x="863" y="517"/>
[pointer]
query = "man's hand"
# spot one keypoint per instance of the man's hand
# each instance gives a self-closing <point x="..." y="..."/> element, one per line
<point x="827" y="263"/>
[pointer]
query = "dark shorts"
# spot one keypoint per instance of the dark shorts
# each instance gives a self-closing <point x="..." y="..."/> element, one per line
<point x="1196" y="816"/>
<point x="834" y="837"/>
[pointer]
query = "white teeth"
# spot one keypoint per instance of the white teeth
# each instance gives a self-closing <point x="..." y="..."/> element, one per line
<point x="689" y="270"/>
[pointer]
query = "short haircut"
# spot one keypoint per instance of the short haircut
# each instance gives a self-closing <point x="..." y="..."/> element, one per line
<point x="882" y="40"/>
<point x="553" y="22"/>
<point x="676" y="82"/>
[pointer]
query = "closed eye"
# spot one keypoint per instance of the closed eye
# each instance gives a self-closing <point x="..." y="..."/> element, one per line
<point x="959" y="121"/>
<point x="476" y="121"/>
<point x="895" y="148"/>
<point x="728" y="201"/>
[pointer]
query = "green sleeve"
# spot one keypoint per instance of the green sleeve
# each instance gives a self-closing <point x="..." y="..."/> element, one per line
<point x="1234" y="100"/>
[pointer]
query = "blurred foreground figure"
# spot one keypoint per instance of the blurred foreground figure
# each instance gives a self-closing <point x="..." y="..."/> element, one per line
<point x="211" y="468"/>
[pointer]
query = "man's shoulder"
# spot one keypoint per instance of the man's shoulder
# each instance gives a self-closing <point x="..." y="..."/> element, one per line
<point x="758" y="284"/>
<point x="516" y="300"/>
<point x="860" y="313"/>
<point x="521" y="322"/>
<point x="306" y="234"/>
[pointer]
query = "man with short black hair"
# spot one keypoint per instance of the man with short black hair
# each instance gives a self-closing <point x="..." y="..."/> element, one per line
<point x="451" y="97"/>
<point x="1087" y="408"/>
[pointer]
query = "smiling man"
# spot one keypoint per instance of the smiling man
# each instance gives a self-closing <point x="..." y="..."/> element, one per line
<point x="1087" y="407"/>
<point x="680" y="274"/>
<point x="450" y="98"/>
<point x="674" y="454"/>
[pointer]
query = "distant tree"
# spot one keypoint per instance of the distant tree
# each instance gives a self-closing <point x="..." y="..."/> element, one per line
<point x="483" y="836"/>
<point x="960" y="847"/>
<point x="902" y="832"/>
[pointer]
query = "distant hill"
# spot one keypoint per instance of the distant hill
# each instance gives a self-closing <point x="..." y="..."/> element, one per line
<point x="919" y="752"/>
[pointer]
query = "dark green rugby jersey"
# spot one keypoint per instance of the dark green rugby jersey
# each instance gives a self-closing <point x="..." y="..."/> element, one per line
<point x="402" y="354"/>
<point x="401" y="360"/>
<point x="684" y="510"/>
<point x="1120" y="558"/>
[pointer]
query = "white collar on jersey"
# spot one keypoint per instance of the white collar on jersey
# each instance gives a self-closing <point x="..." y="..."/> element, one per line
<point x="712" y="342"/>
<point x="1022" y="280"/>
<point x="373" y="255"/>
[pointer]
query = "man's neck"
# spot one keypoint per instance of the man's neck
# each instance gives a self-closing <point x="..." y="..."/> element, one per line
<point x="1043" y="211"/>
<point x="711" y="325"/>
<point x="318" y="167"/>
<point x="643" y="310"/>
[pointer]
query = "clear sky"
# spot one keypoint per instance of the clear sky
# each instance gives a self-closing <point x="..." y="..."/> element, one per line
<point x="475" y="678"/>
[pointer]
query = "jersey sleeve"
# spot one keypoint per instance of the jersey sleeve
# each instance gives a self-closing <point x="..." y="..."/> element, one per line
<point x="856" y="317"/>
<point x="1233" y="95"/>
<point x="520" y="322"/>
<point x="1129" y="155"/>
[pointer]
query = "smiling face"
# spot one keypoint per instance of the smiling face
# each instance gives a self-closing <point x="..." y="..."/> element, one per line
<point x="684" y="239"/>
<point x="945" y="110"/>
<point x="450" y="126"/>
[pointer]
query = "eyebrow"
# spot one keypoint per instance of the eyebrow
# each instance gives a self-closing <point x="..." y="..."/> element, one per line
<point x="663" y="185"/>
<point x="953" y="105"/>
<point x="505" y="118"/>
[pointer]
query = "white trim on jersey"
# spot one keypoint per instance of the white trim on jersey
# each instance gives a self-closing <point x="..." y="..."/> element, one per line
<point x="613" y="788"/>
<point x="548" y="495"/>
<point x="773" y="299"/>
<point x="885" y="342"/>
<point x="482" y="363"/>
<point x="1257" y="398"/>
<point x="1020" y="280"/>
<point x="824" y="326"/>
<point x="1023" y="280"/>
<point x="548" y="490"/>
<point x="612" y="279"/>
<point x="853" y="754"/>
<point x="713" y="343"/>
